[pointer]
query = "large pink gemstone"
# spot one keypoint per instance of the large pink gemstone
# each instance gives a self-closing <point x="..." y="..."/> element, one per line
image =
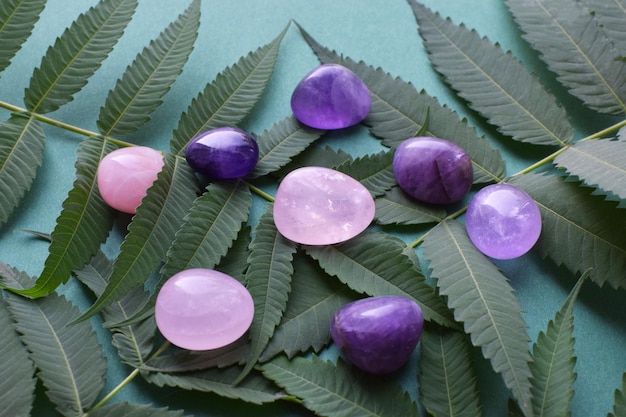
<point x="201" y="309"/>
<point x="125" y="175"/>
<point x="321" y="206"/>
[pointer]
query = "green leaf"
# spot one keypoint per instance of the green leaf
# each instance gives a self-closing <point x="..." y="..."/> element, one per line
<point x="69" y="358"/>
<point x="598" y="163"/>
<point x="314" y="299"/>
<point x="553" y="362"/>
<point x="152" y="230"/>
<point x="281" y="143"/>
<point x="17" y="19"/>
<point x="18" y="392"/>
<point x="395" y="207"/>
<point x="447" y="380"/>
<point x="22" y="143"/>
<point x="375" y="264"/>
<point x="574" y="47"/>
<point x="399" y="111"/>
<point x="611" y="15"/>
<point x="77" y="54"/>
<point x="234" y="263"/>
<point x="134" y="410"/>
<point x="483" y="301"/>
<point x="140" y="90"/>
<point x="269" y="281"/>
<point x="579" y="231"/>
<point x="316" y="155"/>
<point x="336" y="390"/>
<point x="494" y="83"/>
<point x="209" y="228"/>
<point x="230" y="98"/>
<point x="619" y="407"/>
<point x="375" y="171"/>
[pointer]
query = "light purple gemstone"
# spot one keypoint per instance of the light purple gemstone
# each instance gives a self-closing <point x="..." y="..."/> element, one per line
<point x="201" y="309"/>
<point x="378" y="334"/>
<point x="331" y="97"/>
<point x="503" y="222"/>
<point x="321" y="206"/>
<point x="433" y="170"/>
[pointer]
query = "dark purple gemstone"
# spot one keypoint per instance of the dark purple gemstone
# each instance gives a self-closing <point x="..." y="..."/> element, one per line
<point x="222" y="153"/>
<point x="331" y="97"/>
<point x="378" y="334"/>
<point x="433" y="170"/>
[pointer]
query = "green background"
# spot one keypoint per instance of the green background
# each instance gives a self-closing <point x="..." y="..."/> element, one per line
<point x="381" y="33"/>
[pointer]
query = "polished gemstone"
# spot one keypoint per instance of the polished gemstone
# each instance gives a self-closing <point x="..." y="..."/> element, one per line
<point x="202" y="309"/>
<point x="125" y="175"/>
<point x="378" y="334"/>
<point x="223" y="153"/>
<point x="331" y="97"/>
<point x="321" y="206"/>
<point x="432" y="170"/>
<point x="502" y="221"/>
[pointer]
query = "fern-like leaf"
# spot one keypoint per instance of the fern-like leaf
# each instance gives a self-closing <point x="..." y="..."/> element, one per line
<point x="447" y="380"/>
<point x="611" y="15"/>
<point x="399" y="112"/>
<point x="281" y="143"/>
<point x="580" y="231"/>
<point x="17" y="19"/>
<point x="395" y="207"/>
<point x="230" y="98"/>
<point x="138" y="93"/>
<point x="375" y="264"/>
<point x="134" y="410"/>
<point x="22" y="142"/>
<point x="77" y="54"/>
<point x="18" y="392"/>
<point x="374" y="171"/>
<point x="553" y="362"/>
<point x="619" y="407"/>
<point x="483" y="301"/>
<point x="574" y="47"/>
<point x="494" y="83"/>
<point x="337" y="390"/>
<point x="269" y="281"/>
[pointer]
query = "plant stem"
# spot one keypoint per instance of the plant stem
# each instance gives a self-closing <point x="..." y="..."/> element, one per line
<point x="260" y="192"/>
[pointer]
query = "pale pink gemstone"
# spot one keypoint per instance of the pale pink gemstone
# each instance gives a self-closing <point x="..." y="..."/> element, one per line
<point x="125" y="175"/>
<point x="201" y="309"/>
<point x="321" y="206"/>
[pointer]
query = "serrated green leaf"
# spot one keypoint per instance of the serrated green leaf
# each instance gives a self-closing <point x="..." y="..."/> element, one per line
<point x="22" y="142"/>
<point x="228" y="100"/>
<point x="234" y="262"/>
<point x="619" y="407"/>
<point x="483" y="301"/>
<point x="314" y="299"/>
<point x="69" y="358"/>
<point x="447" y="380"/>
<point x="399" y="112"/>
<point x="77" y="54"/>
<point x="210" y="227"/>
<point x="134" y="410"/>
<point x="374" y="171"/>
<point x="598" y="163"/>
<point x="318" y="156"/>
<point x="611" y="15"/>
<point x="140" y="90"/>
<point x="17" y="19"/>
<point x="553" y="362"/>
<point x="269" y="281"/>
<point x="375" y="264"/>
<point x="338" y="390"/>
<point x="494" y="83"/>
<point x="152" y="230"/>
<point x="395" y="207"/>
<point x="17" y="393"/>
<point x="573" y="45"/>
<point x="281" y="143"/>
<point x="579" y="231"/>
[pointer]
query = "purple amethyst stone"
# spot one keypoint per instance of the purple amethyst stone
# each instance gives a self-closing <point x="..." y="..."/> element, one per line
<point x="433" y="170"/>
<point x="223" y="153"/>
<point x="378" y="334"/>
<point x="331" y="97"/>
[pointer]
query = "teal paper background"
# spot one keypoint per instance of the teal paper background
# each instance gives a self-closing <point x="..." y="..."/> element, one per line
<point x="381" y="33"/>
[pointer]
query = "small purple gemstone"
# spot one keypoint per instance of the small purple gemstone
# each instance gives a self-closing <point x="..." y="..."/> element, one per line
<point x="223" y="153"/>
<point x="378" y="334"/>
<point x="433" y="170"/>
<point x="331" y="97"/>
<point x="503" y="222"/>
